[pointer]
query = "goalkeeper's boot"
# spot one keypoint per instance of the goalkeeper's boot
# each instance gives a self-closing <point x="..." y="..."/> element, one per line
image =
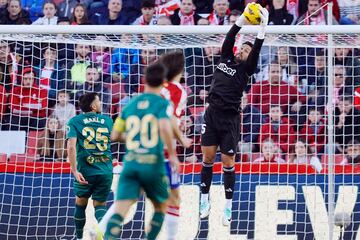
<point x="96" y="233"/>
<point x="226" y="219"/>
<point x="204" y="209"/>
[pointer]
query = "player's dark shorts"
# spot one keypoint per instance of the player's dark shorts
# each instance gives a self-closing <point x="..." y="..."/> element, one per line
<point x="174" y="176"/>
<point x="221" y="129"/>
<point x="134" y="178"/>
<point x="98" y="187"/>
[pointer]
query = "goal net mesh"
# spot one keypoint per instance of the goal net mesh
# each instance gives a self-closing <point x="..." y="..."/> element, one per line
<point x="282" y="186"/>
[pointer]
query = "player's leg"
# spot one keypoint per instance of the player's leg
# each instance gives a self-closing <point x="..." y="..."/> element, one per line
<point x="228" y="144"/>
<point x="79" y="216"/>
<point x="82" y="193"/>
<point x="156" y="187"/>
<point x="173" y="209"/>
<point x="114" y="226"/>
<point x="101" y="191"/>
<point x="229" y="183"/>
<point x="209" y="146"/>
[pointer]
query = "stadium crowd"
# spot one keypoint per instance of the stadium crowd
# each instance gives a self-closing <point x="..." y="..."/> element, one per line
<point x="284" y="109"/>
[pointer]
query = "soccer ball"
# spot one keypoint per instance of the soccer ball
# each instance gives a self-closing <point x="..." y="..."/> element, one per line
<point x="252" y="13"/>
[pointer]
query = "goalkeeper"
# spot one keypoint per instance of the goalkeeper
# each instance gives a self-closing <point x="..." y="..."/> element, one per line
<point x="221" y="126"/>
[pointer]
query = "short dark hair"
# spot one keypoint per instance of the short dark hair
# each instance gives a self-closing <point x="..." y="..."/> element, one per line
<point x="353" y="142"/>
<point x="174" y="62"/>
<point x="249" y="43"/>
<point x="63" y="91"/>
<point x="155" y="74"/>
<point x="86" y="100"/>
<point x="317" y="109"/>
<point x="148" y="4"/>
<point x="235" y="12"/>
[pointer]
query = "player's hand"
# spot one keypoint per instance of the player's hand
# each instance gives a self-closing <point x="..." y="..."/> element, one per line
<point x="80" y="178"/>
<point x="242" y="20"/>
<point x="186" y="142"/>
<point x="264" y="15"/>
<point x="174" y="162"/>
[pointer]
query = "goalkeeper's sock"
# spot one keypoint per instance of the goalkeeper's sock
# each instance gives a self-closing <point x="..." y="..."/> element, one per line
<point x="100" y="212"/>
<point x="172" y="222"/>
<point x="113" y="229"/>
<point x="206" y="177"/>
<point x="156" y="223"/>
<point x="80" y="219"/>
<point x="229" y="181"/>
<point x="104" y="221"/>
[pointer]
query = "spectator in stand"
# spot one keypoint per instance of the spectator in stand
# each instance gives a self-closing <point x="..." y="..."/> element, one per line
<point x="51" y="142"/>
<point x="349" y="12"/>
<point x="3" y="101"/>
<point x="186" y="15"/>
<point x="314" y="131"/>
<point x="63" y="110"/>
<point x="164" y="20"/>
<point x="134" y="83"/>
<point x="317" y="77"/>
<point x="203" y="6"/>
<point x="94" y="84"/>
<point x="251" y="120"/>
<point x="112" y="15"/>
<point x="122" y="59"/>
<point x="201" y="74"/>
<point x="67" y="7"/>
<point x="347" y="123"/>
<point x="101" y="56"/>
<point x="315" y="15"/>
<point x="278" y="14"/>
<point x="352" y="153"/>
<point x="234" y="15"/>
<point x="192" y="153"/>
<point x="34" y="8"/>
<point x="220" y="14"/>
<point x="304" y="155"/>
<point x="3" y="5"/>
<point x="80" y="64"/>
<point x="49" y="11"/>
<point x="28" y="103"/>
<point x="51" y="76"/>
<point x="345" y="57"/>
<point x="276" y="91"/>
<point x="79" y="15"/>
<point x="269" y="153"/>
<point x="14" y="14"/>
<point x="279" y="129"/>
<point x="7" y="64"/>
<point x="202" y="21"/>
<point x="342" y="87"/>
<point x="148" y="16"/>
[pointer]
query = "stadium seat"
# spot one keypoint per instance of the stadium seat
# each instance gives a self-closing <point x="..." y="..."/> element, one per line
<point x="31" y="144"/>
<point x="19" y="158"/>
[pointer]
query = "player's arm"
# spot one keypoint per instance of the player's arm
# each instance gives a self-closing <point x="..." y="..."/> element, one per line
<point x="252" y="60"/>
<point x="185" y="142"/>
<point x="166" y="134"/>
<point x="228" y="44"/>
<point x="71" y="150"/>
<point x="117" y="134"/>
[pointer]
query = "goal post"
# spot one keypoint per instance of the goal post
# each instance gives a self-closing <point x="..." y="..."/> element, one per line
<point x="318" y="67"/>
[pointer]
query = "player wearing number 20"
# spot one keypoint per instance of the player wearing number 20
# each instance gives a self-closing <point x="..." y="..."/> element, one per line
<point x="90" y="158"/>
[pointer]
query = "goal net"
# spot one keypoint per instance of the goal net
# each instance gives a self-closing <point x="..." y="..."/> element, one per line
<point x="297" y="170"/>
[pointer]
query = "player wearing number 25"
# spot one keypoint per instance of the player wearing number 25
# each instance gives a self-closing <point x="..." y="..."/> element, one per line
<point x="90" y="158"/>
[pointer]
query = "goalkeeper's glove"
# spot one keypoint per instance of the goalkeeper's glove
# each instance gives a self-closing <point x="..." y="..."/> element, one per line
<point x="264" y="15"/>
<point x="241" y="20"/>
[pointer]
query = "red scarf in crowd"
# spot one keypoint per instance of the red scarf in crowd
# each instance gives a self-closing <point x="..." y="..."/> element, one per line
<point x="214" y="19"/>
<point x="318" y="20"/>
<point x="186" y="19"/>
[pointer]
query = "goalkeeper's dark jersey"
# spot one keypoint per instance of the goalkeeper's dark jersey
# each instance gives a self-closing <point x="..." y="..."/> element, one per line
<point x="230" y="78"/>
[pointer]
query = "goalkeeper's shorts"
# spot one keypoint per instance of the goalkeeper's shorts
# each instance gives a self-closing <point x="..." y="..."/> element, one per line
<point x="174" y="176"/>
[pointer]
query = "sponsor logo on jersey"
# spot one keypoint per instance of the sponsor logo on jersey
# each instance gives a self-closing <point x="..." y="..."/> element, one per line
<point x="223" y="67"/>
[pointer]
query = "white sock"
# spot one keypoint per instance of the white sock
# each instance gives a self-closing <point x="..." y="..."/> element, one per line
<point x="172" y="222"/>
<point x="204" y="197"/>
<point x="228" y="203"/>
<point x="104" y="221"/>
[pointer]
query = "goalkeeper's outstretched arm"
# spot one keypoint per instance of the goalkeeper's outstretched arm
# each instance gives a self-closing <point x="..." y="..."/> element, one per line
<point x="251" y="62"/>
